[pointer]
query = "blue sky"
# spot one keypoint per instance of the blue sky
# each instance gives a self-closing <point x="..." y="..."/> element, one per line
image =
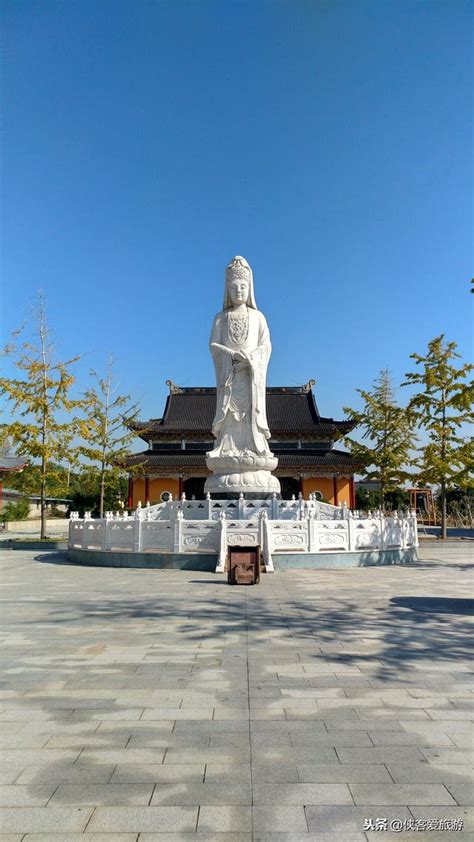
<point x="328" y="141"/>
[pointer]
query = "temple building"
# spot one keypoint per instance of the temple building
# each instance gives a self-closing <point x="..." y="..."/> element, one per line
<point x="302" y="439"/>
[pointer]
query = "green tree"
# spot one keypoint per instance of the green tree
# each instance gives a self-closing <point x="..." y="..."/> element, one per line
<point x="105" y="434"/>
<point x="28" y="481"/>
<point x="40" y="397"/>
<point x="388" y="435"/>
<point x="442" y="407"/>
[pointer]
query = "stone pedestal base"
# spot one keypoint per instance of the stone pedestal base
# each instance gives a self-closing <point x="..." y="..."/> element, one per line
<point x="245" y="482"/>
<point x="247" y="473"/>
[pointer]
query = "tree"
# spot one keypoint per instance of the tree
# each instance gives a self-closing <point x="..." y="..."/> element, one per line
<point x="388" y="430"/>
<point x="28" y="481"/>
<point x="104" y="431"/>
<point x="43" y="429"/>
<point x="442" y="407"/>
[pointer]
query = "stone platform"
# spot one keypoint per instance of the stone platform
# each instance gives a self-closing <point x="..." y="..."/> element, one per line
<point x="208" y="562"/>
<point x="155" y="706"/>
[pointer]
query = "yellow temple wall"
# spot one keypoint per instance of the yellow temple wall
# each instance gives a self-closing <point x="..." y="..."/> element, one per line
<point x="326" y="487"/>
<point x="322" y="484"/>
<point x="138" y="492"/>
<point x="160" y="484"/>
<point x="344" y="490"/>
<point x="310" y="485"/>
<point x="155" y="489"/>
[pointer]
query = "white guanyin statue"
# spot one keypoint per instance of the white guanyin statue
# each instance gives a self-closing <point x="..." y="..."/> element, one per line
<point x="241" y="460"/>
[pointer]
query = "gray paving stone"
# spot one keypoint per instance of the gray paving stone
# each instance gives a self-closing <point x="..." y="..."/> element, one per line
<point x="143" y="819"/>
<point x="157" y="773"/>
<point x="309" y="837"/>
<point x="9" y="774"/>
<point x="25" y="796"/>
<point x="301" y="793"/>
<point x="279" y="773"/>
<point x="342" y="773"/>
<point x="462" y="793"/>
<point x="102" y="794"/>
<point x="224" y="819"/>
<point x="278" y="819"/>
<point x="452" y="813"/>
<point x="201" y="836"/>
<point x="78" y="837"/>
<point x="204" y="793"/>
<point x="448" y="755"/>
<point x="381" y="754"/>
<point x="345" y="819"/>
<point x="404" y="738"/>
<point x="66" y="773"/>
<point x="400" y="794"/>
<point x="44" y="819"/>
<point x="430" y="773"/>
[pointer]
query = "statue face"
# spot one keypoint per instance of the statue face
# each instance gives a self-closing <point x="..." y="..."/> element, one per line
<point x="238" y="291"/>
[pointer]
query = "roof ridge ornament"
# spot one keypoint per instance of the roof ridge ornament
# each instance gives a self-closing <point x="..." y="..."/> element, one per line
<point x="173" y="387"/>
<point x="309" y="385"/>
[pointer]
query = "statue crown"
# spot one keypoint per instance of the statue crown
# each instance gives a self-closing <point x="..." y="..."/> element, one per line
<point x="238" y="268"/>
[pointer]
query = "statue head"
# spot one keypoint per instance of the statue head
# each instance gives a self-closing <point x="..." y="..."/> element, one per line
<point x="238" y="284"/>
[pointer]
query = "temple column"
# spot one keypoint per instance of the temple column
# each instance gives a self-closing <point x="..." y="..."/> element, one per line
<point x="334" y="490"/>
<point x="352" y="493"/>
<point x="130" y="492"/>
<point x="147" y="490"/>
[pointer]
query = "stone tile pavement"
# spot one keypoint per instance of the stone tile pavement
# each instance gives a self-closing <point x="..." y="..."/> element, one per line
<point x="166" y="706"/>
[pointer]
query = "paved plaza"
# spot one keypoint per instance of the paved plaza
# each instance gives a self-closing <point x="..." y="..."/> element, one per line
<point x="164" y="706"/>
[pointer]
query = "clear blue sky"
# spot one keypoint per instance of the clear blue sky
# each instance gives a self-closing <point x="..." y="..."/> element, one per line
<point x="328" y="141"/>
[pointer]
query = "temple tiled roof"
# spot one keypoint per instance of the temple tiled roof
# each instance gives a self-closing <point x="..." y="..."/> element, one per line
<point x="291" y="411"/>
<point x="9" y="464"/>
<point x="324" y="460"/>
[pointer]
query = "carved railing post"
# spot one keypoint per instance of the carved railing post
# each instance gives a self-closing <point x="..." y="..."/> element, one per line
<point x="403" y="531"/>
<point x="312" y="544"/>
<point x="222" y="544"/>
<point x="415" y="529"/>
<point x="349" y="531"/>
<point x="178" y="533"/>
<point x="137" y="535"/>
<point x="241" y="507"/>
<point x="274" y="506"/>
<point x="209" y="506"/>
<point x="266" y="542"/>
<point x="382" y="529"/>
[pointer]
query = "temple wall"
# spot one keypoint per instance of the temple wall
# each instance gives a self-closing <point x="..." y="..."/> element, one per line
<point x="344" y="490"/>
<point x="160" y="484"/>
<point x="322" y="484"/>
<point x="155" y="488"/>
<point x="310" y="484"/>
<point x="326" y="487"/>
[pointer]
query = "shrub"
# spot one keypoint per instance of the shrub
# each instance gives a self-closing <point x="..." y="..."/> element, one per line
<point x="16" y="511"/>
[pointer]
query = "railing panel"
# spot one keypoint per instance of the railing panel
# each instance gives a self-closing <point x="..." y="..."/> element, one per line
<point x="157" y="535"/>
<point x="120" y="534"/>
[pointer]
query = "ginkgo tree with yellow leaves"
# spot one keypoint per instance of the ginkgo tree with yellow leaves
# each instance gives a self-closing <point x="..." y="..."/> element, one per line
<point x="443" y="407"/>
<point x="105" y="436"/>
<point x="44" y="424"/>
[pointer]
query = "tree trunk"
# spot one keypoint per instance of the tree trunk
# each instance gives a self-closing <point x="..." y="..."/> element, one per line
<point x="102" y="493"/>
<point x="43" y="506"/>
<point x="382" y="497"/>
<point x="443" y="534"/>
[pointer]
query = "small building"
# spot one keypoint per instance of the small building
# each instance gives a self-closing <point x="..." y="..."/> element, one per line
<point x="302" y="439"/>
<point x="9" y="465"/>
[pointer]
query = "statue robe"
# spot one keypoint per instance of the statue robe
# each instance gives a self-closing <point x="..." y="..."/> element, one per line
<point x="240" y="423"/>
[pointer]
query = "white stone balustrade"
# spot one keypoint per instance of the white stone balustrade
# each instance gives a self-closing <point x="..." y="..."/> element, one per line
<point x="211" y="526"/>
